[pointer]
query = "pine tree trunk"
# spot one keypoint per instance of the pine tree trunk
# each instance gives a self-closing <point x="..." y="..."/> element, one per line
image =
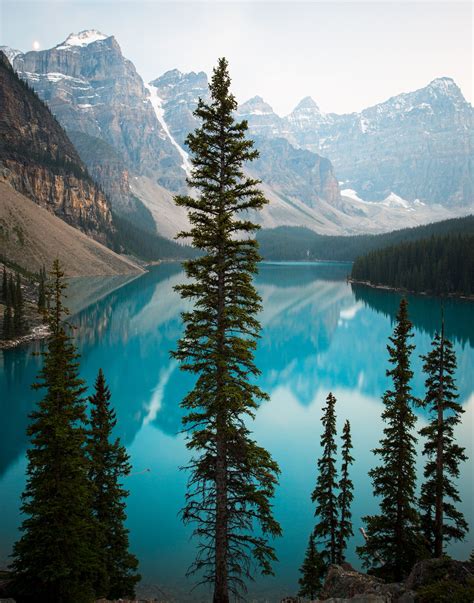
<point x="333" y="536"/>
<point x="399" y="530"/>
<point x="438" y="544"/>
<point x="342" y="524"/>
<point x="221" y="588"/>
<point x="221" y="591"/>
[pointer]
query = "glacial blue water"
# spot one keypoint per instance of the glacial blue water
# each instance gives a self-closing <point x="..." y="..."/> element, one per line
<point x="319" y="334"/>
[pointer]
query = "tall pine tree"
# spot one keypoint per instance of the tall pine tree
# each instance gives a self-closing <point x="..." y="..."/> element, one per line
<point x="344" y="530"/>
<point x="232" y="479"/>
<point x="393" y="535"/>
<point x="441" y="520"/>
<point x="4" y="285"/>
<point x="19" y="320"/>
<point x="325" y="491"/>
<point x="109" y="464"/>
<point x="54" y="560"/>
<point x="42" y="290"/>
<point x="8" y="330"/>
<point x="312" y="571"/>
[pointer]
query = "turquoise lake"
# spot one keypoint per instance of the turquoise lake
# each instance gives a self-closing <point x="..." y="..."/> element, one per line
<point x="319" y="334"/>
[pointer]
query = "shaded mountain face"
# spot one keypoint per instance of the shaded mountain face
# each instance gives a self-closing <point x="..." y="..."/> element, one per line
<point x="38" y="160"/>
<point x="180" y="93"/>
<point x="132" y="135"/>
<point x="296" y="172"/>
<point x="92" y="88"/>
<point x="418" y="145"/>
<point x="292" y="172"/>
<point x="262" y="120"/>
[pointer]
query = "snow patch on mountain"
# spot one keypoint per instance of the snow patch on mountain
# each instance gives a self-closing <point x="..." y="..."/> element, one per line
<point x="352" y="194"/>
<point x="83" y="38"/>
<point x="394" y="200"/>
<point x="10" y="53"/>
<point x="157" y="104"/>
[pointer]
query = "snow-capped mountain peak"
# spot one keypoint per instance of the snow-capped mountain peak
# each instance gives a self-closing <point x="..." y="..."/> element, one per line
<point x="83" y="38"/>
<point x="10" y="53"/>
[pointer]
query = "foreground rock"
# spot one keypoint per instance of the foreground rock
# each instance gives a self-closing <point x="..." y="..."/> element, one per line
<point x="430" y="581"/>
<point x="344" y="583"/>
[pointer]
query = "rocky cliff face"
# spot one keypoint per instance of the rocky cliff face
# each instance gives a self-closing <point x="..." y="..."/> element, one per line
<point x="262" y="120"/>
<point x="180" y="93"/>
<point x="38" y="160"/>
<point x="415" y="149"/>
<point x="92" y="88"/>
<point x="106" y="166"/>
<point x="296" y="173"/>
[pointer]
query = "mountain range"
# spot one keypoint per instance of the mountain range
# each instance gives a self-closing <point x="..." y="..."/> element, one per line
<point x="403" y="162"/>
<point x="50" y="205"/>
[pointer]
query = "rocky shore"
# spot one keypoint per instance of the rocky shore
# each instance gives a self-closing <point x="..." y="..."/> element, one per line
<point x="431" y="581"/>
<point x="404" y="291"/>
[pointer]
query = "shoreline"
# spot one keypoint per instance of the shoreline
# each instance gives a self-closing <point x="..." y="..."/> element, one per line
<point x="402" y="290"/>
<point x="37" y="333"/>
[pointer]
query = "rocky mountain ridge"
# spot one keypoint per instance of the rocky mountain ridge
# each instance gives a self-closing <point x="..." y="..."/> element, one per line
<point x="388" y="177"/>
<point x="418" y="145"/>
<point x="38" y="160"/>
<point x="92" y="88"/>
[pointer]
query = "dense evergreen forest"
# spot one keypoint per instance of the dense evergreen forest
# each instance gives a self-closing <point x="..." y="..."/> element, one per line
<point x="438" y="265"/>
<point x="293" y="243"/>
<point x="148" y="246"/>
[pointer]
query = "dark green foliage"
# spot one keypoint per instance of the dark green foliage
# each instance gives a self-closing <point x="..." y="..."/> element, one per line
<point x="54" y="559"/>
<point x="439" y="265"/>
<point x="446" y="591"/>
<point x="346" y="496"/>
<point x="297" y="243"/>
<point x="10" y="295"/>
<point x="4" y="284"/>
<point x="325" y="491"/>
<point x="42" y="290"/>
<point x="19" y="321"/>
<point x="147" y="245"/>
<point x="109" y="464"/>
<point x="14" y="320"/>
<point x="393" y="535"/>
<point x="441" y="521"/>
<point x="232" y="479"/>
<point x="312" y="571"/>
<point x="8" y="329"/>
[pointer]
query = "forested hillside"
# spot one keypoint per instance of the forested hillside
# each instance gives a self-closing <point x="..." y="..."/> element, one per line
<point x="439" y="265"/>
<point x="299" y="244"/>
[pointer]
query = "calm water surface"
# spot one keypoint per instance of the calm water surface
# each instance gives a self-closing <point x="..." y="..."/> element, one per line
<point x="319" y="335"/>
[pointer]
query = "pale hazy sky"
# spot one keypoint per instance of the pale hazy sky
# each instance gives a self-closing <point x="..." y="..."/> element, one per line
<point x="346" y="55"/>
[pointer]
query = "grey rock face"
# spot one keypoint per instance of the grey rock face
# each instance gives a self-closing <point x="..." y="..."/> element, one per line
<point x="180" y="93"/>
<point x="344" y="583"/>
<point x="92" y="88"/>
<point x="296" y="173"/>
<point x="262" y="120"/>
<point x="419" y="145"/>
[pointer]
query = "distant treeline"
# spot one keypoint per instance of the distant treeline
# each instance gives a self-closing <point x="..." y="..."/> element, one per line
<point x="441" y="265"/>
<point x="288" y="243"/>
<point x="147" y="245"/>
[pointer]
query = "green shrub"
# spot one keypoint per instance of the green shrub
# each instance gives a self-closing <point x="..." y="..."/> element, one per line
<point x="446" y="591"/>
